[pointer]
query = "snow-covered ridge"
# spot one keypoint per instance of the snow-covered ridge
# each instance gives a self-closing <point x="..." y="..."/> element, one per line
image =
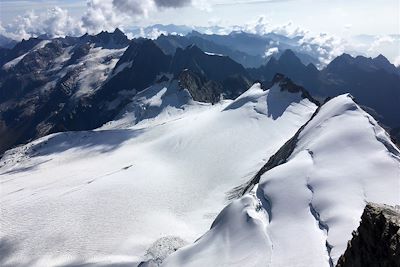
<point x="108" y="195"/>
<point x="313" y="195"/>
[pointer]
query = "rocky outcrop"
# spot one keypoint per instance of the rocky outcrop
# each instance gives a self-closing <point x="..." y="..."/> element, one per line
<point x="214" y="67"/>
<point x="161" y="249"/>
<point x="209" y="77"/>
<point x="199" y="88"/>
<point x="376" y="241"/>
<point x="110" y="40"/>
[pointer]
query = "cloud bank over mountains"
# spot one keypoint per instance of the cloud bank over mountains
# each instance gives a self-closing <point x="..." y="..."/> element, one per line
<point x="110" y="14"/>
<point x="99" y="15"/>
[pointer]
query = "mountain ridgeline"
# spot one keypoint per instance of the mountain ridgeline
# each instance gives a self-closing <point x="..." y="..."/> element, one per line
<point x="119" y="137"/>
<point x="79" y="83"/>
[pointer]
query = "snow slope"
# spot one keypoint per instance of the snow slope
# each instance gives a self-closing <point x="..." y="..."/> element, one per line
<point x="310" y="203"/>
<point x="106" y="196"/>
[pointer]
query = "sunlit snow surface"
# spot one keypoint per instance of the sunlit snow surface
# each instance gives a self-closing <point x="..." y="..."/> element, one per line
<point x="157" y="176"/>
<point x="312" y="202"/>
<point x="162" y="169"/>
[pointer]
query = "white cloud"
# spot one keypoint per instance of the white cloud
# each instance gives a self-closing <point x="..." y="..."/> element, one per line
<point x="153" y="34"/>
<point x="202" y="5"/>
<point x="289" y="30"/>
<point x="271" y="51"/>
<point x="99" y="15"/>
<point x="379" y="41"/>
<point x="54" y="22"/>
<point x="260" y="26"/>
<point x="322" y="46"/>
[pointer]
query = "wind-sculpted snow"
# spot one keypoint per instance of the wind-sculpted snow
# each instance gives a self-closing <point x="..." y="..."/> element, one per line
<point x="315" y="196"/>
<point x="238" y="237"/>
<point x="161" y="169"/>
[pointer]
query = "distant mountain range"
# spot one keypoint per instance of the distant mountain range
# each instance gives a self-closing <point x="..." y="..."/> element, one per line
<point x="6" y="42"/>
<point x="374" y="82"/>
<point x="245" y="48"/>
<point x="79" y="83"/>
<point x="193" y="151"/>
<point x="270" y="178"/>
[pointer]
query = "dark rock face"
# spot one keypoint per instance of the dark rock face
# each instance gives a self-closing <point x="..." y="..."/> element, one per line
<point x="371" y="86"/>
<point x="18" y="50"/>
<point x="143" y="61"/>
<point x="79" y="52"/>
<point x="376" y="243"/>
<point x="287" y="84"/>
<point x="199" y="88"/>
<point x="36" y="93"/>
<point x="208" y="77"/>
<point x="116" y="39"/>
<point x="291" y="66"/>
<point x="214" y="67"/>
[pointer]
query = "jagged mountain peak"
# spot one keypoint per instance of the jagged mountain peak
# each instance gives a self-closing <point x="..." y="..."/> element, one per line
<point x="288" y="57"/>
<point x="191" y="49"/>
<point x="118" y="31"/>
<point x="346" y="61"/>
<point x="214" y="67"/>
<point x="312" y="68"/>
<point x="112" y="40"/>
<point x="140" y="47"/>
<point x="381" y="58"/>
<point x="382" y="62"/>
<point x="343" y="58"/>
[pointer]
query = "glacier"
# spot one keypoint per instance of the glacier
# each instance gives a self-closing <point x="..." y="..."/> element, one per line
<point x="161" y="171"/>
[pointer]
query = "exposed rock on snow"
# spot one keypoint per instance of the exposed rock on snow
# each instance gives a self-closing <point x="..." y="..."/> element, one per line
<point x="161" y="249"/>
<point x="200" y="89"/>
<point x="376" y="241"/>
